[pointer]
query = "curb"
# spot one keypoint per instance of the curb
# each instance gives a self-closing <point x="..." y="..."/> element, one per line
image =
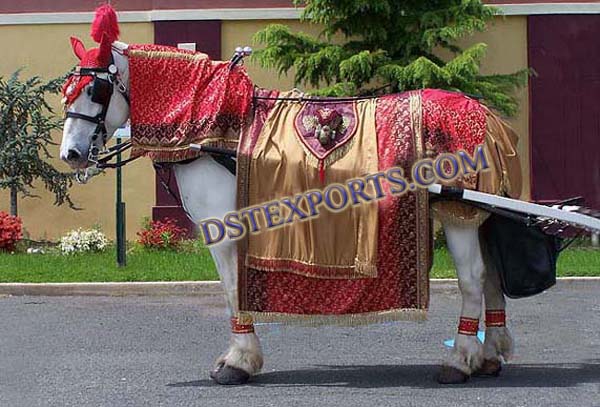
<point x="450" y="285"/>
<point x="175" y="288"/>
<point x="196" y="288"/>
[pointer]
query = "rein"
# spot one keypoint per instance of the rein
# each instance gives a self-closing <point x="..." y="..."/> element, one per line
<point x="104" y="161"/>
<point x="333" y="99"/>
<point x="314" y="99"/>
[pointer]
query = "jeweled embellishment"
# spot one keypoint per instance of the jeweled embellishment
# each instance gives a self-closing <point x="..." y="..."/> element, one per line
<point x="329" y="123"/>
<point x="326" y="131"/>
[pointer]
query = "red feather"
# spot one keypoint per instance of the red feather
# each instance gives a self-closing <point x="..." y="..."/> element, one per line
<point x="105" y="23"/>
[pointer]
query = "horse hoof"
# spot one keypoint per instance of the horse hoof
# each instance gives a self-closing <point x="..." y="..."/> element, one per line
<point x="229" y="375"/>
<point x="451" y="375"/>
<point x="489" y="368"/>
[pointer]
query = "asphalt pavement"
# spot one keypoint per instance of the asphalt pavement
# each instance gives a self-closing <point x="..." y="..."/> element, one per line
<point x="156" y="351"/>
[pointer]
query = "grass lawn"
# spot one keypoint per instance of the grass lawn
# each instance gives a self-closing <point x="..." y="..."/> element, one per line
<point x="94" y="267"/>
<point x="177" y="266"/>
<point x="579" y="261"/>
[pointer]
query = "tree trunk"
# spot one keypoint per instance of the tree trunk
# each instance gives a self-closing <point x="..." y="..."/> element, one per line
<point x="13" y="201"/>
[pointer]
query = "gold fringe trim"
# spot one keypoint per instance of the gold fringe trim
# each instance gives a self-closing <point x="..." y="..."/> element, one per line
<point x="366" y="318"/>
<point x="328" y="272"/>
<point x="180" y="153"/>
<point x="243" y="318"/>
<point x="167" y="55"/>
<point x="453" y="217"/>
<point x="166" y="156"/>
<point x="213" y="142"/>
<point x="336" y="155"/>
<point x="365" y="268"/>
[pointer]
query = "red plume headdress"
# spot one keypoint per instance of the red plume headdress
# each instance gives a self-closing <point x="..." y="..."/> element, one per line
<point x="105" y="24"/>
<point x="105" y="31"/>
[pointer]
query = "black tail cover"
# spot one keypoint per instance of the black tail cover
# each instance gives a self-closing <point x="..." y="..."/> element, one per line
<point x="523" y="255"/>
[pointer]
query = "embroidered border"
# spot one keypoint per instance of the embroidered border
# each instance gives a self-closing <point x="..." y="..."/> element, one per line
<point x="251" y="131"/>
<point x="422" y="196"/>
<point x="364" y="318"/>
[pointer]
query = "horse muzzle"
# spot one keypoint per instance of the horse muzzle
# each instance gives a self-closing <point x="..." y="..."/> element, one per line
<point x="75" y="158"/>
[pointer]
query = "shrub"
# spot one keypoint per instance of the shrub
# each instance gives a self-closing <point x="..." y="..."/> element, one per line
<point x="163" y="234"/>
<point x="11" y="231"/>
<point x="82" y="240"/>
<point x="27" y="124"/>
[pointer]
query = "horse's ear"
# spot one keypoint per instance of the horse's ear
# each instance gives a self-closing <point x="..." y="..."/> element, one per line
<point x="105" y="50"/>
<point x="78" y="47"/>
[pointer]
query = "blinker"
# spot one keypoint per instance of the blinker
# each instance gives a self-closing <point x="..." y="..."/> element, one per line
<point x="101" y="91"/>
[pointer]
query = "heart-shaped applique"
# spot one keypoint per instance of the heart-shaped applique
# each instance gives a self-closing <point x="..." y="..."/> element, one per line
<point x="335" y="122"/>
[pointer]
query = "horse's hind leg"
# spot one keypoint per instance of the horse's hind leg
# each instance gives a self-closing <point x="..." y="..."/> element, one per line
<point x="244" y="356"/>
<point x="498" y="345"/>
<point x="467" y="355"/>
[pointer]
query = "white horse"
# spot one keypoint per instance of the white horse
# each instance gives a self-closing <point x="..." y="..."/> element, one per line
<point x="244" y="356"/>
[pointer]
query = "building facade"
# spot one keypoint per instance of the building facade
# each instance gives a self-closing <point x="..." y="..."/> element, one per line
<point x="558" y="123"/>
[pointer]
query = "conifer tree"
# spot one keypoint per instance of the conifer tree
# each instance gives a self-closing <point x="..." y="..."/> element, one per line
<point x="389" y="43"/>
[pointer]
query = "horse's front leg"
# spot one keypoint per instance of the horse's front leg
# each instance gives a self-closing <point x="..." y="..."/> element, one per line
<point x="244" y="356"/>
<point x="467" y="355"/>
<point x="208" y="190"/>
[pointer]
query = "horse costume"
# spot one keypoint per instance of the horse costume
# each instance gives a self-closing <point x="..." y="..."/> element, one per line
<point x="368" y="263"/>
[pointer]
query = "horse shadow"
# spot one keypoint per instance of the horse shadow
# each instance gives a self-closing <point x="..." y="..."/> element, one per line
<point x="420" y="376"/>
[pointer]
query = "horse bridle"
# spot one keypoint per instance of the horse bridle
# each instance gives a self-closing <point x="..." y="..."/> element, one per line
<point x="101" y="92"/>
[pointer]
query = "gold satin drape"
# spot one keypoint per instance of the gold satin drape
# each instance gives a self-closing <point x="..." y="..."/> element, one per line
<point x="334" y="244"/>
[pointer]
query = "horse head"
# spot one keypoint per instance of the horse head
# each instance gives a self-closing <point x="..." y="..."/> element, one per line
<point x="95" y="95"/>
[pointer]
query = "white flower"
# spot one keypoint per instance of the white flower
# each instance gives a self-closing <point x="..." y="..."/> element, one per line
<point x="82" y="240"/>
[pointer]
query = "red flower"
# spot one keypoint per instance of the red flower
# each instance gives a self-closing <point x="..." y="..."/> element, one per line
<point x="11" y="231"/>
<point x="161" y="234"/>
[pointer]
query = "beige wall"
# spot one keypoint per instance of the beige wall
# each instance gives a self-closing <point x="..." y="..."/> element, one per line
<point x="507" y="53"/>
<point x="45" y="50"/>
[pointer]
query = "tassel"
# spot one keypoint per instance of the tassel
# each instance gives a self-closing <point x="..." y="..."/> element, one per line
<point x="322" y="171"/>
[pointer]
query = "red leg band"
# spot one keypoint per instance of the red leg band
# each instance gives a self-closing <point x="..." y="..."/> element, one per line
<point x="468" y="326"/>
<point x="238" y="328"/>
<point x="495" y="317"/>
